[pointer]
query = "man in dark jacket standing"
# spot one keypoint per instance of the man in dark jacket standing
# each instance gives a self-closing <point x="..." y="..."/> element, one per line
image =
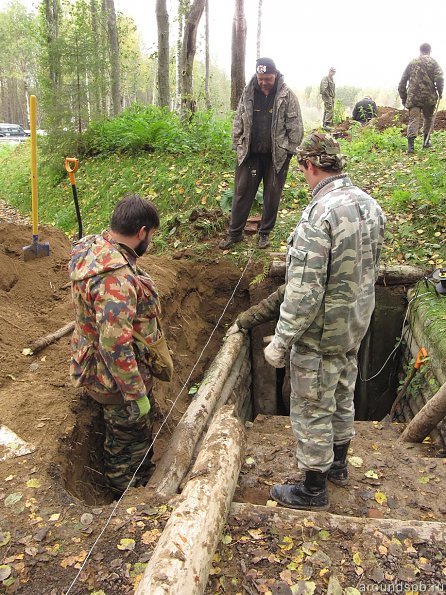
<point x="266" y="132"/>
<point x="420" y="87"/>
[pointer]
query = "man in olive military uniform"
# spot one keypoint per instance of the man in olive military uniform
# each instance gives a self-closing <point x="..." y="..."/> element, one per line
<point x="328" y="91"/>
<point x="332" y="265"/>
<point x="420" y="88"/>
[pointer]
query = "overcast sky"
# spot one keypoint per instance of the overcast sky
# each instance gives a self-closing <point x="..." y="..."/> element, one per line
<point x="369" y="42"/>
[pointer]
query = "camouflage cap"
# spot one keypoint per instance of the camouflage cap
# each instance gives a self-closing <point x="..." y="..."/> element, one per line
<point x="322" y="150"/>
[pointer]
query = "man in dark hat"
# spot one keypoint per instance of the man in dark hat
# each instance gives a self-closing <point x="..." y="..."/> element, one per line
<point x="266" y="132"/>
<point x="364" y="110"/>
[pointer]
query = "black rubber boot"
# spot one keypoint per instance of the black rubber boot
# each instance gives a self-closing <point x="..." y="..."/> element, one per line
<point x="338" y="472"/>
<point x="230" y="241"/>
<point x="263" y="240"/>
<point x="426" y="142"/>
<point x="410" y="145"/>
<point x="310" y="494"/>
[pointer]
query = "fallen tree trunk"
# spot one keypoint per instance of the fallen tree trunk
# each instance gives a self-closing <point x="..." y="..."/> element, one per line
<point x="427" y="418"/>
<point x="175" y="462"/>
<point x="43" y="342"/>
<point x="182" y="558"/>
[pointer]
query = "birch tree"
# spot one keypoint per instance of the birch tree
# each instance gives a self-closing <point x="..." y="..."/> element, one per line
<point x="238" y="53"/>
<point x="189" y="47"/>
<point x="162" y="20"/>
<point x="259" y="27"/>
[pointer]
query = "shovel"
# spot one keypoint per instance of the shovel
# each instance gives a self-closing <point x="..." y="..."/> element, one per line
<point x="419" y="361"/>
<point x="428" y="136"/>
<point x="71" y="165"/>
<point x="36" y="249"/>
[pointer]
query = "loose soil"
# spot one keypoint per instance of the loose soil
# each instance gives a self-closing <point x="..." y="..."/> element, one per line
<point x="53" y="503"/>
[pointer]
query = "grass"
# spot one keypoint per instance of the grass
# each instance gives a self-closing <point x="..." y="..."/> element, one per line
<point x="182" y="176"/>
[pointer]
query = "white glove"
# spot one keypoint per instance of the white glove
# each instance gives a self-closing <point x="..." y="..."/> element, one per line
<point x="275" y="357"/>
<point x="234" y="328"/>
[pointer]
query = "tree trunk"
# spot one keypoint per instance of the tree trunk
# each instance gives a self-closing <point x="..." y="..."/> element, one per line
<point x="192" y="19"/>
<point x="238" y="53"/>
<point x="162" y="20"/>
<point x="207" y="59"/>
<point x="426" y="420"/>
<point x="259" y="28"/>
<point x="115" y="68"/>
<point x="52" y="14"/>
<point x="179" y="59"/>
<point x="183" y="555"/>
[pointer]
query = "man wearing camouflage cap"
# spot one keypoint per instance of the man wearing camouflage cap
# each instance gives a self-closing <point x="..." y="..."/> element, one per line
<point x="420" y="88"/>
<point x="266" y="132"/>
<point x="332" y="265"/>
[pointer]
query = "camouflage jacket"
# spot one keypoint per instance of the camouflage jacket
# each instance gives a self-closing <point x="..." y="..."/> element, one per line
<point x="266" y="310"/>
<point x="327" y="88"/>
<point x="422" y="83"/>
<point x="112" y="297"/>
<point x="332" y="266"/>
<point x="286" y="130"/>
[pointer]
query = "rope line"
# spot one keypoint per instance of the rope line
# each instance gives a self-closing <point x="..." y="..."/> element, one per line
<point x="107" y="523"/>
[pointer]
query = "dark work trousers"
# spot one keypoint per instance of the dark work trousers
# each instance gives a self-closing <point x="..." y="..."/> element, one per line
<point x="248" y="175"/>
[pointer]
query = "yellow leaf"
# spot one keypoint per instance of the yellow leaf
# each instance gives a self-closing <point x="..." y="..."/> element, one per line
<point x="33" y="483"/>
<point x="287" y="544"/>
<point x="226" y="539"/>
<point x="357" y="559"/>
<point x="271" y="503"/>
<point x="371" y="474"/>
<point x="423" y="480"/>
<point x="355" y="461"/>
<point x="126" y="544"/>
<point x="380" y="497"/>
<point x="256" y="533"/>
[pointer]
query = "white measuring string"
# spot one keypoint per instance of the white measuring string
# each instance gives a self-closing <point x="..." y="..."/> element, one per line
<point x="87" y="557"/>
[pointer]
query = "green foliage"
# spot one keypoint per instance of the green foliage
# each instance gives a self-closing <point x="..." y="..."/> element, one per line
<point x="339" y="113"/>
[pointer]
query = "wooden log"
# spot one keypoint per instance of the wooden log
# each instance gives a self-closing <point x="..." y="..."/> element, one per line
<point x="182" y="558"/>
<point x="175" y="462"/>
<point x="394" y="275"/>
<point x="43" y="342"/>
<point x="430" y="531"/>
<point x="427" y="418"/>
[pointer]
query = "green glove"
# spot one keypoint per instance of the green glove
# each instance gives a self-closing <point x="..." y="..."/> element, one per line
<point x="139" y="408"/>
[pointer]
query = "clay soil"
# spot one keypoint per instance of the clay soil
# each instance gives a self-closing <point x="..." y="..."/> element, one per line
<point x="53" y="502"/>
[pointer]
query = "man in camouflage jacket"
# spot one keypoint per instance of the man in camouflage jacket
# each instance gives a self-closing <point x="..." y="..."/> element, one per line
<point x="113" y="298"/>
<point x="420" y="87"/>
<point x="332" y="265"/>
<point x="327" y="89"/>
<point x="266" y="132"/>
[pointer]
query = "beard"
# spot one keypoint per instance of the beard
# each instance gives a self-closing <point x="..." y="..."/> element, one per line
<point x="141" y="248"/>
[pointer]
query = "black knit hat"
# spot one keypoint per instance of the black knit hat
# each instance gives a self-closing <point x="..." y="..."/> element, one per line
<point x="265" y="66"/>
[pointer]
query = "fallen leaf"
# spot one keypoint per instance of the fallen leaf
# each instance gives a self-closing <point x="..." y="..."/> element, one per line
<point x="371" y="474"/>
<point x="87" y="518"/>
<point x="380" y="497"/>
<point x="5" y="538"/>
<point x="54" y="517"/>
<point x="355" y="461"/>
<point x="256" y="533"/>
<point x="126" y="544"/>
<point x="27" y="351"/>
<point x="33" y="483"/>
<point x="250" y="461"/>
<point x="226" y="539"/>
<point x="303" y="588"/>
<point x="13" y="499"/>
<point x="5" y="571"/>
<point x="271" y="503"/>
<point x="149" y="537"/>
<point x="357" y="559"/>
<point x="423" y="480"/>
<point x="287" y="543"/>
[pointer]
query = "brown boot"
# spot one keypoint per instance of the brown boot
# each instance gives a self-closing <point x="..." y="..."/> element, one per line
<point x="230" y="241"/>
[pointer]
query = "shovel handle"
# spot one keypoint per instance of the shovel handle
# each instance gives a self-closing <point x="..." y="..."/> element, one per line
<point x="71" y="165"/>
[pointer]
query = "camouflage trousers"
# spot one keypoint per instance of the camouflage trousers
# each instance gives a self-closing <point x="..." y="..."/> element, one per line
<point x="126" y="443"/>
<point x="321" y="409"/>
<point x="416" y="116"/>
<point x="328" y="112"/>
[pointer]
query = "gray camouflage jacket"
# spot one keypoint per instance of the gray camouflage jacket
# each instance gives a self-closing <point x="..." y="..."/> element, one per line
<point x="422" y="83"/>
<point x="332" y="266"/>
<point x="286" y="130"/>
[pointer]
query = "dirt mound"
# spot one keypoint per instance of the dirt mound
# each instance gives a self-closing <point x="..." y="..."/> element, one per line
<point x="39" y="404"/>
<point x="388" y="117"/>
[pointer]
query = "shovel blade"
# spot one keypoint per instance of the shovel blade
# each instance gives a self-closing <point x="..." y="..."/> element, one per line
<point x="36" y="250"/>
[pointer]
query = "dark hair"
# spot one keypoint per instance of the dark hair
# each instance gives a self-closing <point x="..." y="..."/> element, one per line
<point x="425" y="48"/>
<point x="133" y="212"/>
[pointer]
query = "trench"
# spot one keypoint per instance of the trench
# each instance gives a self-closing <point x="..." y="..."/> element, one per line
<point x="267" y="389"/>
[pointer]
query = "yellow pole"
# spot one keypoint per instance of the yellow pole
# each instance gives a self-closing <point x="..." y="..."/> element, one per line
<point x="34" y="199"/>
